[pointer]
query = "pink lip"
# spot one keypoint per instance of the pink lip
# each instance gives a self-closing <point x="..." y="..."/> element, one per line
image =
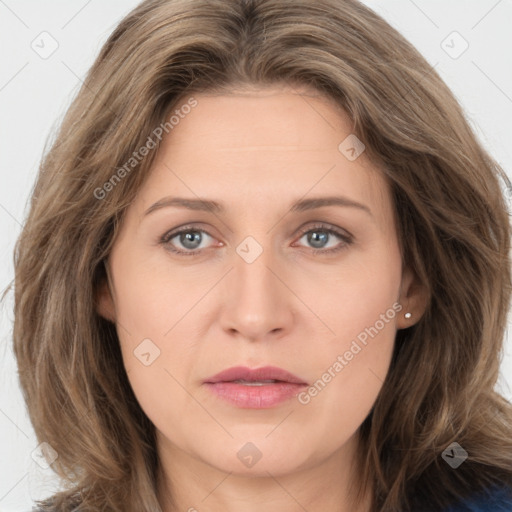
<point x="255" y="397"/>
<point x="263" y="373"/>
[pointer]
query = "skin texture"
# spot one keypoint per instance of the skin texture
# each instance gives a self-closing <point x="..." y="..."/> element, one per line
<point x="256" y="152"/>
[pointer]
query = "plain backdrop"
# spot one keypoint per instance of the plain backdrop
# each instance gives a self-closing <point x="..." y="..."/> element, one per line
<point x="468" y="42"/>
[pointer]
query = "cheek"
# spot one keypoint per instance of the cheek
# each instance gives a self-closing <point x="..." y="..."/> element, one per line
<point x="357" y="295"/>
<point x="361" y="307"/>
<point x="360" y="363"/>
<point x="157" y="324"/>
<point x="149" y="298"/>
<point x="351" y="376"/>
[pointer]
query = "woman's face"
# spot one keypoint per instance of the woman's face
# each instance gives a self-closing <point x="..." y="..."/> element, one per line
<point x="272" y="275"/>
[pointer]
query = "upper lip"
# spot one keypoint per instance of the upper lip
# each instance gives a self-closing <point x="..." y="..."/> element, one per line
<point x="254" y="375"/>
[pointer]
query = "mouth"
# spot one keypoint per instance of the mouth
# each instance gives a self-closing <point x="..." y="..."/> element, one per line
<point x="258" y="388"/>
<point x="255" y="383"/>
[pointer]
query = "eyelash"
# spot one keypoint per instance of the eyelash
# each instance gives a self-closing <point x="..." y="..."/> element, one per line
<point x="326" y="228"/>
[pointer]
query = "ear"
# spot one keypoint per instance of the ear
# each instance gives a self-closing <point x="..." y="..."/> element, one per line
<point x="413" y="297"/>
<point x="105" y="306"/>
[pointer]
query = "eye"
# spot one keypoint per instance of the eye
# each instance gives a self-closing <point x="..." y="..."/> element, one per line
<point x="320" y="234"/>
<point x="189" y="237"/>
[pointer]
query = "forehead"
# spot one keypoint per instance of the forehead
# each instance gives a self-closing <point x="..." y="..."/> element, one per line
<point x="275" y="117"/>
<point x="262" y="145"/>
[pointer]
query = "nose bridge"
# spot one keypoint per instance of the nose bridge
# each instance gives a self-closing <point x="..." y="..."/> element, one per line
<point x="258" y="303"/>
<point x="251" y="271"/>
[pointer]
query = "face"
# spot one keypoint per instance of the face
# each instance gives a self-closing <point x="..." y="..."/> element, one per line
<point x="274" y="274"/>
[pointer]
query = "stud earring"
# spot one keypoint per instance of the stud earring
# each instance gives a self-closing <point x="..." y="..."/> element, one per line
<point x="408" y="315"/>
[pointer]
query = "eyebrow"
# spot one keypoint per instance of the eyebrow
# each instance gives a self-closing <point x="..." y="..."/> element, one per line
<point x="216" y="207"/>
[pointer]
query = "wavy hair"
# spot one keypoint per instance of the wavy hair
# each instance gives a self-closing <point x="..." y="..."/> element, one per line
<point x="453" y="228"/>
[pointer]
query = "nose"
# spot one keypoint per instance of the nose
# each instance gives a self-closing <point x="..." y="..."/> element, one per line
<point x="258" y="304"/>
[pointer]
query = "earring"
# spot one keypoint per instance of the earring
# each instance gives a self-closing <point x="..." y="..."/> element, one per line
<point x="408" y="315"/>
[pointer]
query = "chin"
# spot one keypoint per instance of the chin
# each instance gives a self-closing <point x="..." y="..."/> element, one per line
<point x="257" y="457"/>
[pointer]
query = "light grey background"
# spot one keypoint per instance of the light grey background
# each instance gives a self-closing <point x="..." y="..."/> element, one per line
<point x="35" y="92"/>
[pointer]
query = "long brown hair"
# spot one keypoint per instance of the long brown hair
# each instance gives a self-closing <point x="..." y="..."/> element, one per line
<point x="452" y="220"/>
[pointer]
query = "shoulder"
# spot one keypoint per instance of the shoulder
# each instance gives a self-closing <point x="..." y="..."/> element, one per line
<point x="496" y="499"/>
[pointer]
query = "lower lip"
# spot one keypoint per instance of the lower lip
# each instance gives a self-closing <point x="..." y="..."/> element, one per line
<point x="255" y="397"/>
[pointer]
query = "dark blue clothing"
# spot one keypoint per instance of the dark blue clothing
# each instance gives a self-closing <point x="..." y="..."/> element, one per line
<point x="499" y="500"/>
